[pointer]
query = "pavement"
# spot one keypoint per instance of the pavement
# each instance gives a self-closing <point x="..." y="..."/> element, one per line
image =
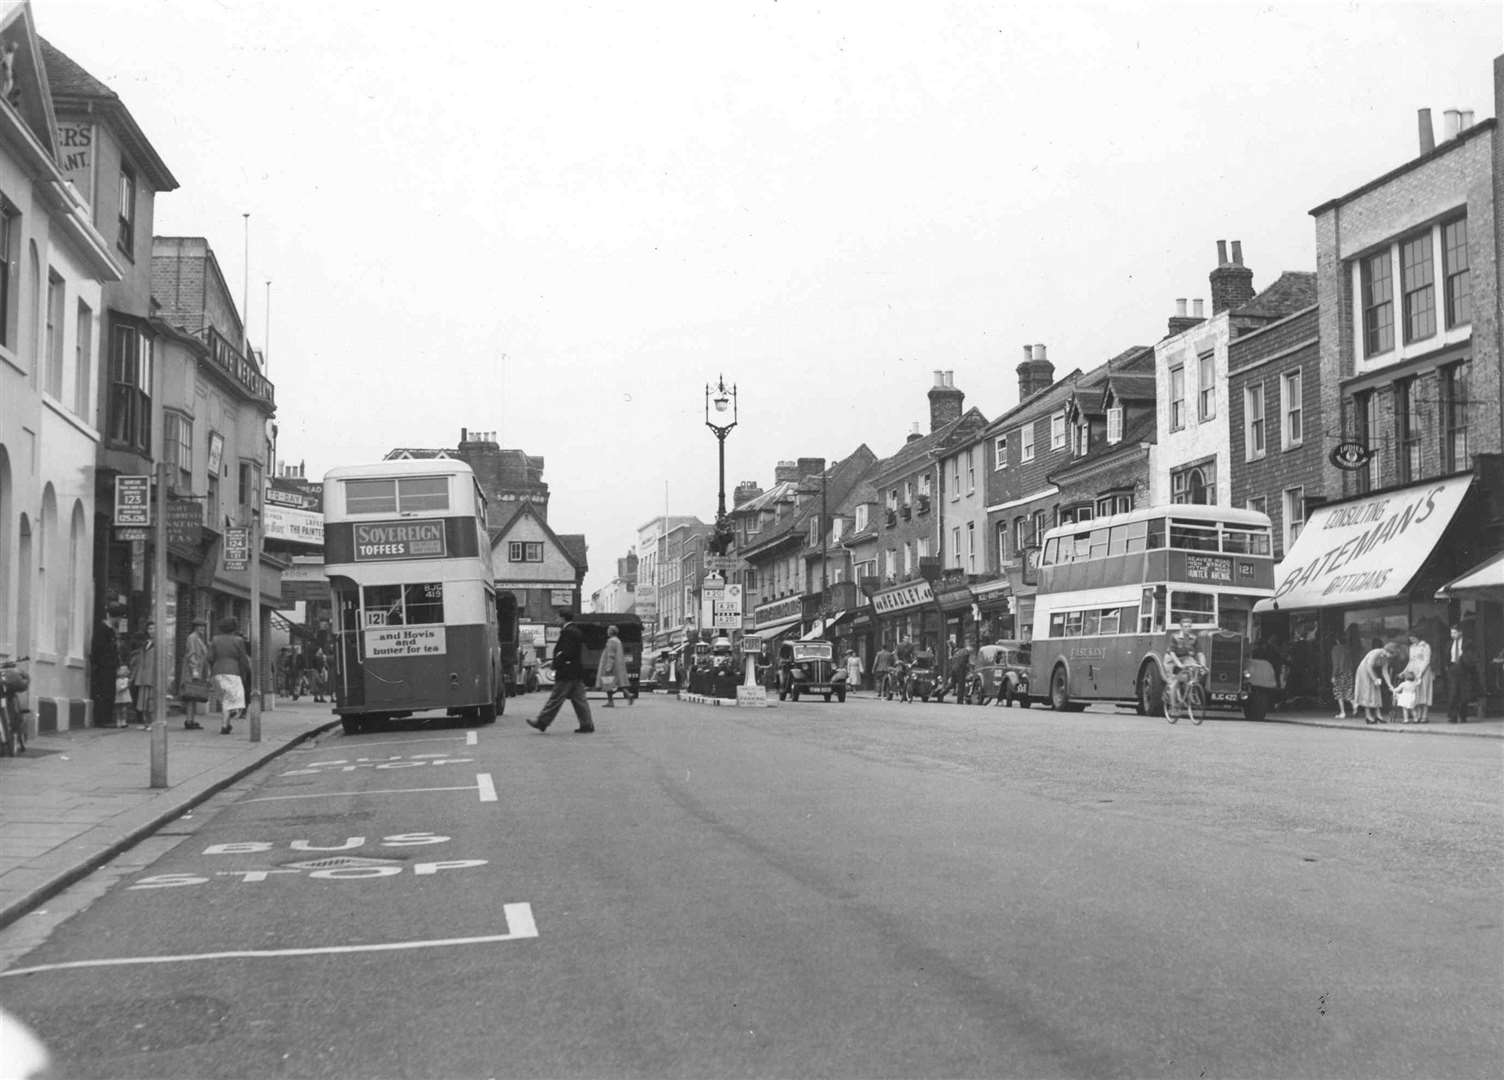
<point x="78" y="798"/>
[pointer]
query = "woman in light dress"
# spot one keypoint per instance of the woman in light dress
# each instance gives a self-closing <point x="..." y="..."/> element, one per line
<point x="1369" y="681"/>
<point x="1418" y="669"/>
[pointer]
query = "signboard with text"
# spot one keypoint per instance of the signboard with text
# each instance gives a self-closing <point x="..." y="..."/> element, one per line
<point x="185" y="522"/>
<point x="908" y="595"/>
<point x="379" y="540"/>
<point x="299" y="526"/>
<point x="237" y="549"/>
<point x="132" y="500"/>
<point x="389" y="641"/>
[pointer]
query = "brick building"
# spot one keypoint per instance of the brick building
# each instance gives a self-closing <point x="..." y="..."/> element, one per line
<point x="1410" y="354"/>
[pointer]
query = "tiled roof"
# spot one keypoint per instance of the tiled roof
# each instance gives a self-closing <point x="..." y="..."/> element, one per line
<point x="910" y="452"/>
<point x="65" y="76"/>
<point x="1292" y="291"/>
<point x="576" y="548"/>
<point x="416" y="452"/>
<point x="1132" y="386"/>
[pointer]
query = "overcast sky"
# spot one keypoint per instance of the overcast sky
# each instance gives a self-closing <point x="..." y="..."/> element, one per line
<point x="559" y="220"/>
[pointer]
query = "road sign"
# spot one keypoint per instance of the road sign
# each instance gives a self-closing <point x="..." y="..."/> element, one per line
<point x="237" y="549"/>
<point x="725" y="608"/>
<point x="132" y="500"/>
<point x="719" y="564"/>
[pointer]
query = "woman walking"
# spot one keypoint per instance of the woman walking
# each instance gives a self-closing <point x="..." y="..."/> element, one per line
<point x="144" y="677"/>
<point x="195" y="654"/>
<point x="1369" y="681"/>
<point x="228" y="659"/>
<point x="1418" y="669"/>
<point x="611" y="672"/>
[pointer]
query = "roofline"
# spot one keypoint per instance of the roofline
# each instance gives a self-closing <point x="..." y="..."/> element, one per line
<point x="377" y="469"/>
<point x="143" y="154"/>
<point x="1445" y="148"/>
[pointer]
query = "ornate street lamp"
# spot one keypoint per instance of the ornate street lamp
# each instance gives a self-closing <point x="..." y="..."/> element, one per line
<point x="721" y="400"/>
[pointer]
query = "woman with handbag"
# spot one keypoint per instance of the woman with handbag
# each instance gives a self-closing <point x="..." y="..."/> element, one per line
<point x="611" y="672"/>
<point x="227" y="659"/>
<point x="193" y="686"/>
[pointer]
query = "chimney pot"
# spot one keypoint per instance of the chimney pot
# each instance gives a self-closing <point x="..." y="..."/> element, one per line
<point x="1237" y="252"/>
<point x="1198" y="308"/>
<point x="1466" y="121"/>
<point x="1221" y="252"/>
<point x="463" y="432"/>
<point x="939" y="378"/>
<point x="1028" y="353"/>
<point x="1180" y="307"/>
<point x="1453" y="122"/>
<point x="1039" y="352"/>
<point x="1427" y="135"/>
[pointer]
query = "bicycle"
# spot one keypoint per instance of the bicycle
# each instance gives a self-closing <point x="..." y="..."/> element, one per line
<point x="896" y="683"/>
<point x="1186" y="697"/>
<point x="13" y="680"/>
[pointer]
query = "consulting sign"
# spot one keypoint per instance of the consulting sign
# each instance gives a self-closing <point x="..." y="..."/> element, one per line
<point x="1365" y="550"/>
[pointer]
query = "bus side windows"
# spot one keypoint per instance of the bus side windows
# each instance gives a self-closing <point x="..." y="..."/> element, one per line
<point x="1155" y="537"/>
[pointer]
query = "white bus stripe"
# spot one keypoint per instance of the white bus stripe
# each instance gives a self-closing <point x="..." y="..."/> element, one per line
<point x="519" y="920"/>
<point x="487" y="788"/>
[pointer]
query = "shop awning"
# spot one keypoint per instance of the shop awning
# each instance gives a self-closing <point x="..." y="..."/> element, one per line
<point x="822" y="625"/>
<point x="1485" y="579"/>
<point x="774" y="630"/>
<point x="1365" y="550"/>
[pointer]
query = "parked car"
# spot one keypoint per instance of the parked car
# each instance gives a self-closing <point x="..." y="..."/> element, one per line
<point x="1001" y="675"/>
<point x="809" y="667"/>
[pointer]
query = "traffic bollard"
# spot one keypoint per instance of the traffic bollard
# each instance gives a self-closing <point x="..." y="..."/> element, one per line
<point x="253" y="715"/>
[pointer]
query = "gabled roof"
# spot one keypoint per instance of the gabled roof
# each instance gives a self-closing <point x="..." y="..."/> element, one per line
<point x="916" y="450"/>
<point x="572" y="545"/>
<point x="1292" y="291"/>
<point x="842" y="479"/>
<point x="74" y="88"/>
<point x="1139" y="430"/>
<point x="413" y="453"/>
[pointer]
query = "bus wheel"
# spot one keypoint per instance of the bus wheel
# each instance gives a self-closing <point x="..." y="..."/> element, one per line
<point x="1060" y="697"/>
<point x="351" y="724"/>
<point x="1151" y="690"/>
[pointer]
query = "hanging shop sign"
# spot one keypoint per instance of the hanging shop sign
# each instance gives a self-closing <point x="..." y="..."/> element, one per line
<point x="185" y="522"/>
<point x="1350" y="456"/>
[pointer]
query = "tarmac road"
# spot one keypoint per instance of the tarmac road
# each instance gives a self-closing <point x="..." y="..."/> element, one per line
<point x="867" y="889"/>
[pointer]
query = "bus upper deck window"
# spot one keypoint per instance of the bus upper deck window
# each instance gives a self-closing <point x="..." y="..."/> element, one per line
<point x="416" y="493"/>
<point x="1154" y="536"/>
<point x="1098" y="543"/>
<point x="1051" y="551"/>
<point x="370" y="497"/>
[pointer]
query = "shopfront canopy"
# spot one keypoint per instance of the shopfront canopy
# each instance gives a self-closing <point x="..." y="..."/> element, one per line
<point x="1365" y="550"/>
<point x="1484" y="581"/>
<point x="774" y="630"/>
<point x="823" y="626"/>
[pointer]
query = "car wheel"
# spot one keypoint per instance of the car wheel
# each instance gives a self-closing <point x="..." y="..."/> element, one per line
<point x="841" y="696"/>
<point x="827" y="697"/>
<point x="351" y="725"/>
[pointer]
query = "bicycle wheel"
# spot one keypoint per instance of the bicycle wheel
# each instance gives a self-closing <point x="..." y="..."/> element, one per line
<point x="1195" y="702"/>
<point x="1171" y="700"/>
<point x="7" y="732"/>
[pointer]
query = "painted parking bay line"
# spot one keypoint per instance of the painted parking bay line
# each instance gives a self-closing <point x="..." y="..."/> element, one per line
<point x="483" y="784"/>
<point x="519" y="920"/>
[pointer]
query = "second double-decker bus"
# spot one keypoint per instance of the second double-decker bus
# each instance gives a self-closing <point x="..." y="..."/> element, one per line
<point x="408" y="560"/>
<point x="1111" y="590"/>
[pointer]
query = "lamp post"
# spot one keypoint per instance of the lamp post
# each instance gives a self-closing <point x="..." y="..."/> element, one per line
<point x="721" y="399"/>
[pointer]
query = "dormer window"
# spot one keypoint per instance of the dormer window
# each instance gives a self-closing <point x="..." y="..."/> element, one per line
<point x="861" y="517"/>
<point x="1114" y="423"/>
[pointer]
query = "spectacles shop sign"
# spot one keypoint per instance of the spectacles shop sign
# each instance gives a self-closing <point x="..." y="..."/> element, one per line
<point x="1367" y="550"/>
<point x="390" y="641"/>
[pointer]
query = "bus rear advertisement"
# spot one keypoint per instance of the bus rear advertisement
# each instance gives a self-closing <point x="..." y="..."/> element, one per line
<point x="1111" y="591"/>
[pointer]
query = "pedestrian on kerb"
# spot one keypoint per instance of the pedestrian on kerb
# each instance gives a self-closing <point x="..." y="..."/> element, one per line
<point x="611" y="672"/>
<point x="569" y="682"/>
<point x="882" y="665"/>
<point x="1369" y="681"/>
<point x="320" y="676"/>
<point x="854" y="670"/>
<point x="1343" y="666"/>
<point x="1418" y="668"/>
<point x="144" y="676"/>
<point x="1462" y="676"/>
<point x="104" y="659"/>
<point x="195" y="656"/>
<point x="960" y="668"/>
<point x="228" y="660"/>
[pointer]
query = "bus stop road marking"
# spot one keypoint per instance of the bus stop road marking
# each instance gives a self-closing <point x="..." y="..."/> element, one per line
<point x="519" y="920"/>
<point x="472" y="738"/>
<point x="469" y="741"/>
<point x="487" y="788"/>
<point x="481" y="787"/>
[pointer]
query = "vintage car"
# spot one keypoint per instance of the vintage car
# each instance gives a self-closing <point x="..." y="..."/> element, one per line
<point x="809" y="667"/>
<point x="923" y="682"/>
<point x="1000" y="675"/>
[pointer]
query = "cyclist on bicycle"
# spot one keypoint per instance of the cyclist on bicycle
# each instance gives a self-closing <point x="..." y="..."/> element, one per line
<point x="1183" y="658"/>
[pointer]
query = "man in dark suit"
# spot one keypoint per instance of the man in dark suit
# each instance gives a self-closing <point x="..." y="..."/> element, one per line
<point x="104" y="658"/>
<point x="1462" y="676"/>
<point x="569" y="680"/>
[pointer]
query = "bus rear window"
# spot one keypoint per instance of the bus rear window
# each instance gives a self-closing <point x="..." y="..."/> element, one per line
<point x="408" y="494"/>
<point x="404" y="605"/>
<point x="1245" y="541"/>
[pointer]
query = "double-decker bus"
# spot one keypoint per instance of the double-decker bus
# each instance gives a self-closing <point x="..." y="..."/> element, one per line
<point x="415" y="615"/>
<point x="1111" y="589"/>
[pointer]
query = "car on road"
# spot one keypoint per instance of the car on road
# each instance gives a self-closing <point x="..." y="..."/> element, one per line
<point x="1001" y="675"/>
<point x="809" y="667"/>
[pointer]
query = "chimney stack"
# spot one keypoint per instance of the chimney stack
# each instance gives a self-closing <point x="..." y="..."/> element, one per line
<point x="1180" y="322"/>
<point x="785" y="472"/>
<point x="1232" y="283"/>
<point x="914" y="435"/>
<point x="1427" y="136"/>
<point x="746" y="491"/>
<point x="945" y="400"/>
<point x="1036" y="373"/>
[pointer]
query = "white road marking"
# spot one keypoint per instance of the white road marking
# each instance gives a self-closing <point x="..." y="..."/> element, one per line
<point x="519" y="920"/>
<point x="353" y="794"/>
<point x="472" y="738"/>
<point x="405" y="742"/>
<point x="487" y="789"/>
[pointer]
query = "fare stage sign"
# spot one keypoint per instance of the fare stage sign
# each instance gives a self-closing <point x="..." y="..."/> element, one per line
<point x="132" y="500"/>
<point x="237" y="549"/>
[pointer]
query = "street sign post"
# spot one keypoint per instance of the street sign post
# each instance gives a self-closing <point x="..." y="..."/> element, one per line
<point x="132" y="500"/>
